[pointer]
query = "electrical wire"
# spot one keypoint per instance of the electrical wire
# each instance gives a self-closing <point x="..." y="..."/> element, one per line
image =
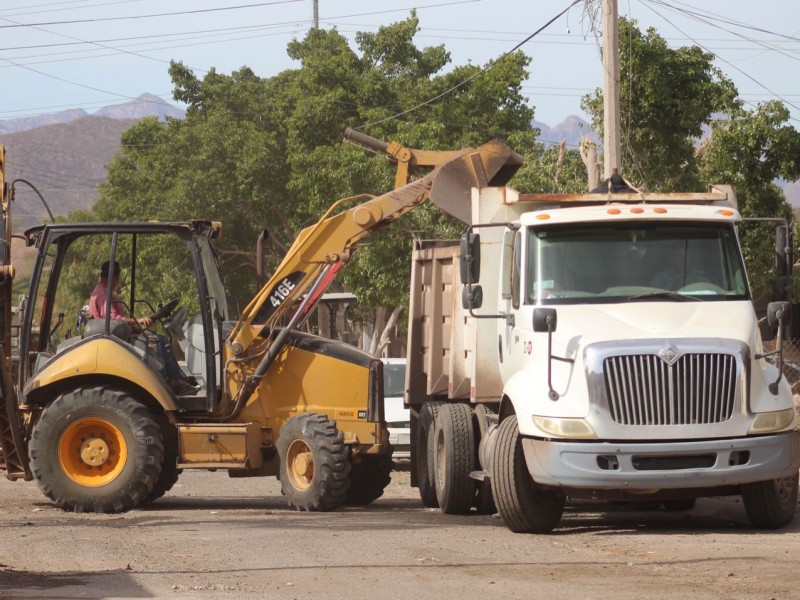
<point x="747" y="75"/>
<point x="167" y="14"/>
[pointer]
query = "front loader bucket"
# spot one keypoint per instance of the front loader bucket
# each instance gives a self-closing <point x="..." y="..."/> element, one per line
<point x="492" y="164"/>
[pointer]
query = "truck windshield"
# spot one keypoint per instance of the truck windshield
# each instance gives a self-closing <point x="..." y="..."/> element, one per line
<point x="634" y="261"/>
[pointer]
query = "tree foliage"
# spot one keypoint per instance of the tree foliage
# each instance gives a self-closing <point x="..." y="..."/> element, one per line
<point x="261" y="153"/>
<point x="666" y="96"/>
<point x="670" y="98"/>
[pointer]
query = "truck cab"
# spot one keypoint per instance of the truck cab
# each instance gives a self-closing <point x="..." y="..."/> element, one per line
<point x="612" y="351"/>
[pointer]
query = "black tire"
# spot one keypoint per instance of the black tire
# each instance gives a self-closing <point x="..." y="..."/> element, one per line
<point x="770" y="504"/>
<point x="169" y="470"/>
<point x="369" y="478"/>
<point x="315" y="465"/>
<point x="96" y="449"/>
<point x="454" y="446"/>
<point x="424" y="453"/>
<point x="525" y="508"/>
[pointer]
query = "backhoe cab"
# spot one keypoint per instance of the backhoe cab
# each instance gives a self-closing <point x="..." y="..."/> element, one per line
<point x="102" y="427"/>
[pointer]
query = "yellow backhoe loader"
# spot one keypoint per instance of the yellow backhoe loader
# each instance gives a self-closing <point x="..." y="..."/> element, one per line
<point x="90" y="415"/>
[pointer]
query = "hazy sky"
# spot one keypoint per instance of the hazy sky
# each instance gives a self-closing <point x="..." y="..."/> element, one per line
<point x="91" y="53"/>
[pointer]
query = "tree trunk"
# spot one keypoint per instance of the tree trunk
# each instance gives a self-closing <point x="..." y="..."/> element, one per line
<point x="381" y="335"/>
<point x="588" y="152"/>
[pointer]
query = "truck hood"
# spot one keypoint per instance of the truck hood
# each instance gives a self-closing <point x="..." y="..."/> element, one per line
<point x="646" y="320"/>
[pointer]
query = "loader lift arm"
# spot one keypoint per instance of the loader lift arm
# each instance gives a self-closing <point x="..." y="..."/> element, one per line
<point x="322" y="249"/>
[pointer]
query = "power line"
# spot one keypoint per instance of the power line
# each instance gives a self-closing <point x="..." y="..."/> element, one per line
<point x="168" y="14"/>
<point x="473" y="76"/>
<point x="750" y="77"/>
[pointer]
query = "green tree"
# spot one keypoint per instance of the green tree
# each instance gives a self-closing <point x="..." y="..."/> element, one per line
<point x="666" y="96"/>
<point x="267" y="152"/>
<point x="750" y="149"/>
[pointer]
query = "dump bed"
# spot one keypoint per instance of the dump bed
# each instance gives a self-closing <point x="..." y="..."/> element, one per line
<point x="448" y="350"/>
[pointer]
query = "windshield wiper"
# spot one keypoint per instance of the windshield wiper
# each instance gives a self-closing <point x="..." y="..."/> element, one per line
<point x="675" y="296"/>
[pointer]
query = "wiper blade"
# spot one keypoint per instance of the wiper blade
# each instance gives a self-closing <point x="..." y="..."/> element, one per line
<point x="674" y="296"/>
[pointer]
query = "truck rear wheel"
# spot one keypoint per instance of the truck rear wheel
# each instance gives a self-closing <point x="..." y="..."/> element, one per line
<point x="424" y="453"/>
<point x="315" y="467"/>
<point x="770" y="504"/>
<point x="369" y="478"/>
<point x="454" y="459"/>
<point x="525" y="507"/>
<point x="96" y="449"/>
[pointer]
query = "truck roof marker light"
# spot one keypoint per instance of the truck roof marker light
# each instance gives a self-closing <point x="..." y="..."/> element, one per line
<point x="637" y="210"/>
<point x="543" y="217"/>
<point x="660" y="211"/>
<point x="614" y="211"/>
<point x="725" y="212"/>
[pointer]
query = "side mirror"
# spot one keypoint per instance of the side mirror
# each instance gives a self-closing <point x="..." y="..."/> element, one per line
<point x="544" y="319"/>
<point x="778" y="313"/>
<point x="470" y="259"/>
<point x="472" y="297"/>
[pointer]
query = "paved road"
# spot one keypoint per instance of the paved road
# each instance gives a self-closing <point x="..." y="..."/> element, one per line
<point x="216" y="537"/>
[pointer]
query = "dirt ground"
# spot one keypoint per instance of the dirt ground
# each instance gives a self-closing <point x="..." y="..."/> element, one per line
<point x="216" y="537"/>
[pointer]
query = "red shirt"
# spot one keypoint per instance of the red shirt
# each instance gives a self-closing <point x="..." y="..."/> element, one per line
<point x="97" y="303"/>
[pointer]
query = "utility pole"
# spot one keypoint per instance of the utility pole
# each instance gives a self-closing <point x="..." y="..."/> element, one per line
<point x="316" y="14"/>
<point x="612" y="155"/>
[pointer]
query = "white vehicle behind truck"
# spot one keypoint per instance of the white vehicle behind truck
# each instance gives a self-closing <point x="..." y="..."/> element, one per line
<point x="599" y="346"/>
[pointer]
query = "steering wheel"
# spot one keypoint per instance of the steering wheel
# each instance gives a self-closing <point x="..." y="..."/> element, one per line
<point x="165" y="310"/>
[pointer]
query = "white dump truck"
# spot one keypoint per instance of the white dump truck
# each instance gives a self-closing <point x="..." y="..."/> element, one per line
<point x="600" y="346"/>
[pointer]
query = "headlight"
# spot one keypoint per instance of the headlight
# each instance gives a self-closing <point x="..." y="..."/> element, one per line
<point x="577" y="429"/>
<point x="772" y="421"/>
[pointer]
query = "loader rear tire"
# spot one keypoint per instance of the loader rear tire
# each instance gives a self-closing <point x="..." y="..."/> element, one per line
<point x="770" y="504"/>
<point x="315" y="465"/>
<point x="369" y="478"/>
<point x="454" y="459"/>
<point x="525" y="507"/>
<point x="424" y="455"/>
<point x="96" y="449"/>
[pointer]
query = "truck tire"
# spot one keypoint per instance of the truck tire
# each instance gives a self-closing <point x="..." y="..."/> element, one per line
<point x="424" y="453"/>
<point x="770" y="504"/>
<point x="96" y="449"/>
<point x="315" y="465"/>
<point x="525" y="507"/>
<point x="454" y="447"/>
<point x="369" y="478"/>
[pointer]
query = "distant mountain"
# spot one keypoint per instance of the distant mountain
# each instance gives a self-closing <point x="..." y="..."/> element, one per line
<point x="146" y="105"/>
<point x="572" y="130"/>
<point x="25" y="123"/>
<point x="65" y="162"/>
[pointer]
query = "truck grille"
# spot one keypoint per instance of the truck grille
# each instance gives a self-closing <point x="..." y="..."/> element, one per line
<point x="695" y="389"/>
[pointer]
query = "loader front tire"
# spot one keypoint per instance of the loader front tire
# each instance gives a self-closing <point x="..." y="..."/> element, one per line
<point x="425" y="454"/>
<point x="455" y="459"/>
<point x="369" y="478"/>
<point x="315" y="466"/>
<point x="96" y="449"/>
<point x="524" y="506"/>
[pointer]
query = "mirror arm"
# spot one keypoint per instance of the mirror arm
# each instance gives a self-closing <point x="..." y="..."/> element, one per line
<point x="552" y="394"/>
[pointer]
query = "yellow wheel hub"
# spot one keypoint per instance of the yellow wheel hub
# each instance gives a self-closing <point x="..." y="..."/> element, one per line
<point x="300" y="463"/>
<point x="92" y="452"/>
